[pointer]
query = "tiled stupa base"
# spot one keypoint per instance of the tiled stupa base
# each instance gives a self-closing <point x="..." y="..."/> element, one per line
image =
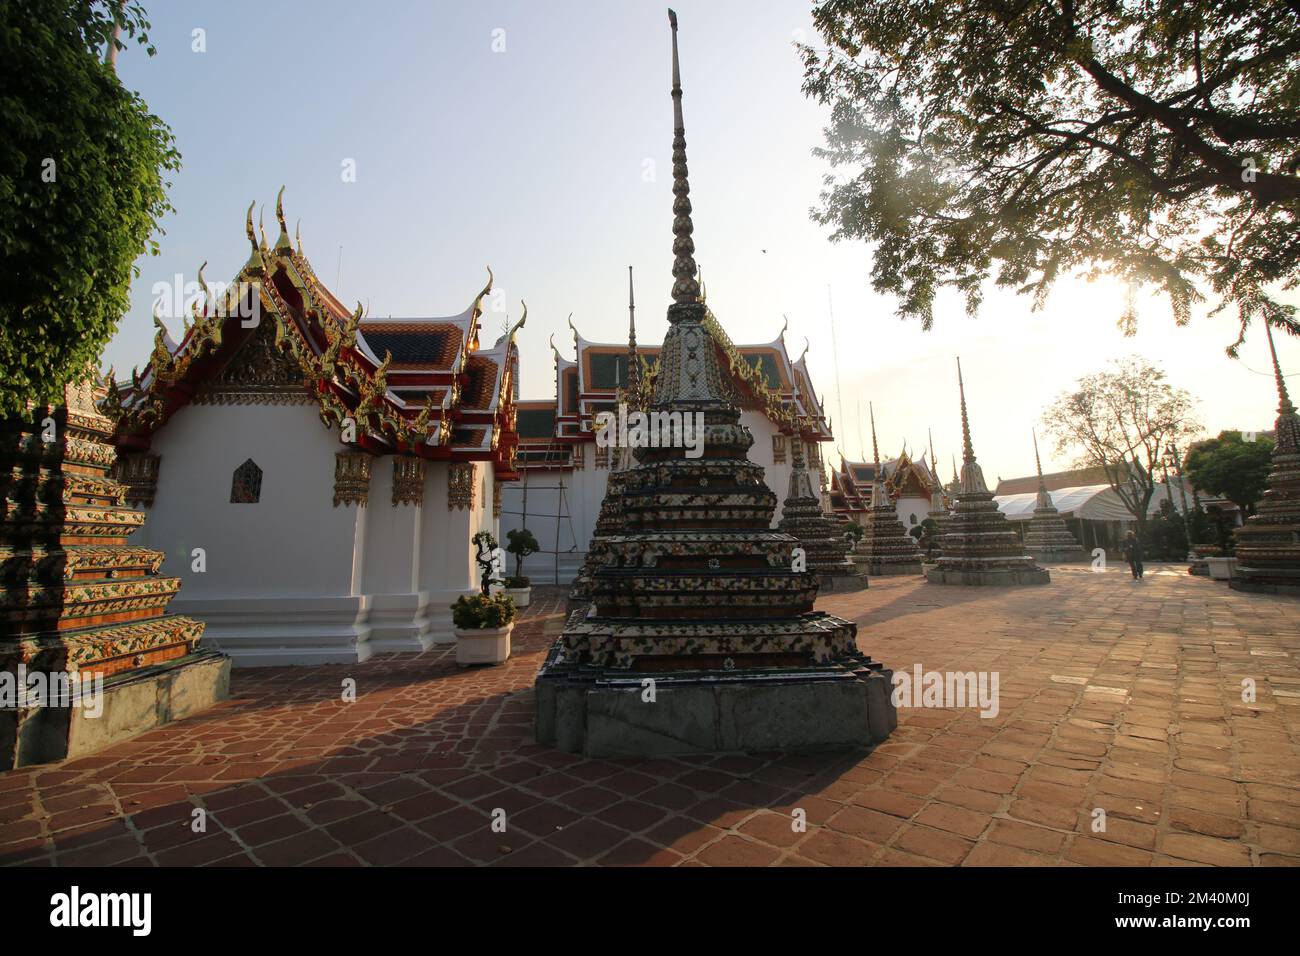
<point x="994" y="577"/>
<point x="1058" y="555"/>
<point x="604" y="712"/>
<point x="1265" y="580"/>
<point x="134" y="701"/>
<point x="840" y="582"/>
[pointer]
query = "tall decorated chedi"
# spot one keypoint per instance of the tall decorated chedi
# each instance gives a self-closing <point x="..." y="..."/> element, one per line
<point x="82" y="609"/>
<point x="826" y="548"/>
<point x="610" y="520"/>
<point x="700" y="636"/>
<point x="885" y="546"/>
<point x="1268" y="544"/>
<point x="980" y="546"/>
<point x="1047" y="538"/>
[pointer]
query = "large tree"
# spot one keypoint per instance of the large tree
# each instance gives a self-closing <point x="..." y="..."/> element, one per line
<point x="82" y="186"/>
<point x="1122" y="420"/>
<point x="1157" y="141"/>
<point x="1231" y="467"/>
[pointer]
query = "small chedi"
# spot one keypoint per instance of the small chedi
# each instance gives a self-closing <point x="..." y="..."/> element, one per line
<point x="79" y="603"/>
<point x="938" y="512"/>
<point x="700" y="637"/>
<point x="1268" y="544"/>
<point x="885" y="547"/>
<point x="609" y="521"/>
<point x="979" y="546"/>
<point x="1047" y="538"/>
<point x="825" y="545"/>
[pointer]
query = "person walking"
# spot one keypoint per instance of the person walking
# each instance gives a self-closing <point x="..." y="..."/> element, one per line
<point x="1133" y="554"/>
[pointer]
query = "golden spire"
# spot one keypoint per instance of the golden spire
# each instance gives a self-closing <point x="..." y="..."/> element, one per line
<point x="877" y="487"/>
<point x="297" y="235"/>
<point x="685" y="287"/>
<point x="1284" y="400"/>
<point x="633" y="359"/>
<point x="967" y="451"/>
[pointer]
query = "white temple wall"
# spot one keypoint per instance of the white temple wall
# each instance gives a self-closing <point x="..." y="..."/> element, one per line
<point x="912" y="511"/>
<point x="282" y="576"/>
<point x="446" y="557"/>
<point x="398" y="606"/>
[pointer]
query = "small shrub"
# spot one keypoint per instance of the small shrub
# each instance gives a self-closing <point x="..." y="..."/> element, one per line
<point x="483" y="611"/>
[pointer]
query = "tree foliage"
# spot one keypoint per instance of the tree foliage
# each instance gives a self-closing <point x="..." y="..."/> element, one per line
<point x="1157" y="141"/>
<point x="1122" y="420"/>
<point x="1231" y="467"/>
<point x="82" y="167"/>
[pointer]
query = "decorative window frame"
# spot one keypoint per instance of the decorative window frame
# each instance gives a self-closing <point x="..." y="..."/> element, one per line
<point x="778" y="449"/>
<point x="460" y="486"/>
<point x="246" y="483"/>
<point x="408" y="480"/>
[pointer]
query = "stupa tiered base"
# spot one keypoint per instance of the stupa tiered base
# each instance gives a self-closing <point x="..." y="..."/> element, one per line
<point x="991" y="575"/>
<point x="886" y="548"/>
<point x="750" y="692"/>
<point x="78" y="604"/>
<point x="841" y="581"/>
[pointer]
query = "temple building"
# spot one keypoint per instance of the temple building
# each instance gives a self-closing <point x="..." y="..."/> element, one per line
<point x="314" y="477"/>
<point x="1047" y="538"/>
<point x="1268" y="544"/>
<point x="909" y="484"/>
<point x="979" y="546"/>
<point x="701" y="637"/>
<point x="564" y="472"/>
<point x="86" y="639"/>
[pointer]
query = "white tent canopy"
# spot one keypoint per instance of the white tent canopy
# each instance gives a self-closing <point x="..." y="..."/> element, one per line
<point x="1087" y="502"/>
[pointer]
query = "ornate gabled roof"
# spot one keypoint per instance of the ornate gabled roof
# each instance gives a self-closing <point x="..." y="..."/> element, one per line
<point x="763" y="377"/>
<point x="417" y="386"/>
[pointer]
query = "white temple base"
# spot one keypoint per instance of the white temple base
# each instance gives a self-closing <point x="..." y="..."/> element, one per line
<point x="271" y="632"/>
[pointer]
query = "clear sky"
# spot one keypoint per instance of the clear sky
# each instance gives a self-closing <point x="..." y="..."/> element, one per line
<point x="535" y="138"/>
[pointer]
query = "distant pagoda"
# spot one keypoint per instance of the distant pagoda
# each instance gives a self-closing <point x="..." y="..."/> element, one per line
<point x="700" y="637"/>
<point x="938" y="512"/>
<point x="1268" y="544"/>
<point x="980" y="547"/>
<point x="1048" y="538"/>
<point x="610" y="520"/>
<point x="826" y="547"/>
<point x="885" y="547"/>
<point x="77" y="599"/>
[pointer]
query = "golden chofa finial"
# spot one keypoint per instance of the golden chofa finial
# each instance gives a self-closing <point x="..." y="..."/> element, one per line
<point x="574" y="328"/>
<point x="477" y="308"/>
<point x="255" y="261"/>
<point x="554" y="350"/>
<point x="261" y="231"/>
<point x="297" y="236"/>
<point x="510" y="335"/>
<point x="282" y="244"/>
<point x="803" y="355"/>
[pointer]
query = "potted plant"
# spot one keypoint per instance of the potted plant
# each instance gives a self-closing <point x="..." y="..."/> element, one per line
<point x="487" y="560"/>
<point x="482" y="624"/>
<point x="522" y="544"/>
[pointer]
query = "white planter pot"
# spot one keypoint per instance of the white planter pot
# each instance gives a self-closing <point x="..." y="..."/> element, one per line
<point x="1221" y="568"/>
<point x="482" y="645"/>
<point x="496" y="588"/>
<point x="519" y="595"/>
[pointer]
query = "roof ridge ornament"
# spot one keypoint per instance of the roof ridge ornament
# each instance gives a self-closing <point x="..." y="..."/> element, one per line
<point x="685" y="287"/>
<point x="255" y="261"/>
<point x="476" y="309"/>
<point x="282" y="244"/>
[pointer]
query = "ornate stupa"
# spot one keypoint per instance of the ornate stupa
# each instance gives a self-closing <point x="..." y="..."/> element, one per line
<point x="1268" y="544"/>
<point x="938" y="512"/>
<point x="980" y="548"/>
<point x="609" y="521"/>
<point x="78" y="602"/>
<point x="700" y="636"/>
<point x="1047" y="538"/>
<point x="825" y="545"/>
<point x="885" y="547"/>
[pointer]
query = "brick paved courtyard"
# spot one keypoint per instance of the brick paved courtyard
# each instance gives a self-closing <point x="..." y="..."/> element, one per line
<point x="1114" y="695"/>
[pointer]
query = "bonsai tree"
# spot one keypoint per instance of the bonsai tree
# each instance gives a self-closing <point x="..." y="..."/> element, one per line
<point x="928" y="533"/>
<point x="521" y="545"/>
<point x="486" y="543"/>
<point x="483" y="611"/>
<point x="855" y="531"/>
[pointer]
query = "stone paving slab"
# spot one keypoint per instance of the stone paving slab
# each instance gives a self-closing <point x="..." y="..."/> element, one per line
<point x="1114" y="695"/>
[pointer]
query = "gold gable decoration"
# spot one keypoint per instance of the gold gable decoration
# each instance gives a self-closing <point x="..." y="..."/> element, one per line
<point x="778" y="449"/>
